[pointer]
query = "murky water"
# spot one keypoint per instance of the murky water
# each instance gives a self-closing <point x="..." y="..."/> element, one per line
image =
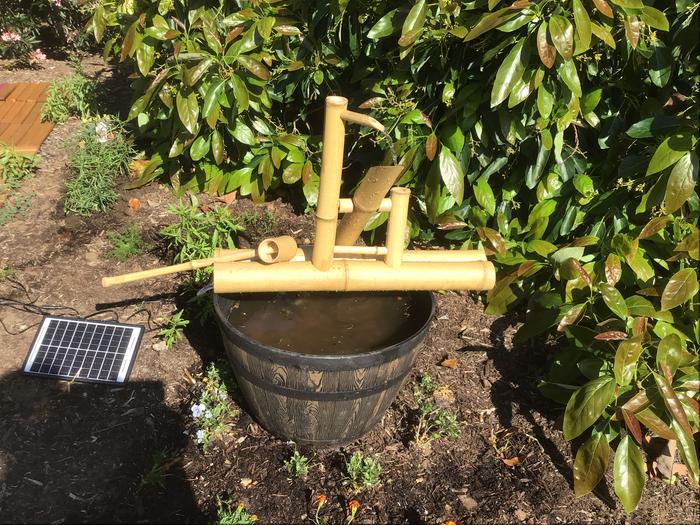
<point x="328" y="323"/>
<point x="390" y="141"/>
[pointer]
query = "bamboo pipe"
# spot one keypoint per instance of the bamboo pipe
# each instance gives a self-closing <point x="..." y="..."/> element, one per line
<point x="329" y="189"/>
<point x="350" y="276"/>
<point x="269" y="251"/>
<point x="362" y="119"/>
<point x="347" y="206"/>
<point x="396" y="229"/>
<point x="366" y="201"/>
<point x="376" y="252"/>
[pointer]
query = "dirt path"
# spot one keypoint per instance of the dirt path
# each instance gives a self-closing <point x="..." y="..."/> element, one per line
<point x="78" y="452"/>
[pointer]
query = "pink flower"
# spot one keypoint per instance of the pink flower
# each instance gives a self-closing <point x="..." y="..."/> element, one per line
<point x="37" y="56"/>
<point x="10" y="36"/>
<point x="57" y="3"/>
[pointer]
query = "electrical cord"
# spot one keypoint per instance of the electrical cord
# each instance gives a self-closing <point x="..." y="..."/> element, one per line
<point x="29" y="306"/>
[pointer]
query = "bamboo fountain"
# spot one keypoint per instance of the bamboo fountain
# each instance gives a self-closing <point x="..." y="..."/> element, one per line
<point x="322" y="368"/>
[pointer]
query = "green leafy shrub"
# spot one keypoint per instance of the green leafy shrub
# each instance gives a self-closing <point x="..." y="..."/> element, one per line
<point x="14" y="168"/>
<point x="363" y="472"/>
<point x="297" y="465"/>
<point x="197" y="234"/>
<point x="102" y="153"/>
<point x="125" y="243"/>
<point x="75" y="95"/>
<point x="171" y="332"/>
<point x="559" y="136"/>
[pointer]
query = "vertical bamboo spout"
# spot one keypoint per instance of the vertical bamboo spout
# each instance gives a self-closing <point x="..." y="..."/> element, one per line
<point x="396" y="229"/>
<point x="329" y="189"/>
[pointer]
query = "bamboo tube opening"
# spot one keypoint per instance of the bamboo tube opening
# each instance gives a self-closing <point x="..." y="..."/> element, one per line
<point x="396" y="229"/>
<point x="348" y="206"/>
<point x="362" y="119"/>
<point x="277" y="249"/>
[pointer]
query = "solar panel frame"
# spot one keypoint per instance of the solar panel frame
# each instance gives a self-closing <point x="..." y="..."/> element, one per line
<point x="126" y="356"/>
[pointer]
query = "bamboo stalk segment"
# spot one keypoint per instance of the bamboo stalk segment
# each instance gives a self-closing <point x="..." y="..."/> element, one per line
<point x="231" y="255"/>
<point x="303" y="253"/>
<point x="347" y="276"/>
<point x="347" y="206"/>
<point x="396" y="229"/>
<point x="366" y="201"/>
<point x="362" y="119"/>
<point x="277" y="249"/>
<point x="329" y="189"/>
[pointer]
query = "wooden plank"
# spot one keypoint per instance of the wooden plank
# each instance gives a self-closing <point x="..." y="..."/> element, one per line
<point x="18" y="94"/>
<point x="16" y="113"/>
<point x="20" y="129"/>
<point x="35" y="91"/>
<point x="35" y="137"/>
<point x="5" y="106"/>
<point x="6" y="89"/>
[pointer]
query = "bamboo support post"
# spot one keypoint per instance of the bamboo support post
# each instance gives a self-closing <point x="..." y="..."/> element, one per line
<point x="396" y="229"/>
<point x="270" y="250"/>
<point x="329" y="189"/>
<point x="347" y="206"/>
<point x="366" y="201"/>
<point x="355" y="275"/>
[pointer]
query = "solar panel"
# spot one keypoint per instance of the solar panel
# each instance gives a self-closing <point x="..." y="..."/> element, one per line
<point x="74" y="349"/>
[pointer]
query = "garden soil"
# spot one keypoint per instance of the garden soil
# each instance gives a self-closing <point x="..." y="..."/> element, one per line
<point x="77" y="452"/>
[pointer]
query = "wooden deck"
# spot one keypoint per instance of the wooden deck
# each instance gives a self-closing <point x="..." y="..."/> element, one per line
<point x="20" y="116"/>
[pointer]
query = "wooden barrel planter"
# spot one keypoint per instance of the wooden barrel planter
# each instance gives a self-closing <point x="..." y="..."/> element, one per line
<point x="321" y="400"/>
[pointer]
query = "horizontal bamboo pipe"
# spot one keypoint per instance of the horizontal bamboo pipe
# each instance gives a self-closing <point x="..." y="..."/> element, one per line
<point x="378" y="252"/>
<point x="270" y="250"/>
<point x="396" y="229"/>
<point x="366" y="201"/>
<point x="347" y="206"/>
<point x="362" y="119"/>
<point x="352" y="276"/>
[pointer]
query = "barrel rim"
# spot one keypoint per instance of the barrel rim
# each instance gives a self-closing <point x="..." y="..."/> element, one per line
<point x="325" y="362"/>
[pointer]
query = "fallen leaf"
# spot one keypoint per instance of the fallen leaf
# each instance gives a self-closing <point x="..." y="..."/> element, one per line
<point x="228" y="198"/>
<point x="449" y="363"/>
<point x="134" y="204"/>
<point x="245" y="482"/>
<point x="137" y="166"/>
<point x="511" y="462"/>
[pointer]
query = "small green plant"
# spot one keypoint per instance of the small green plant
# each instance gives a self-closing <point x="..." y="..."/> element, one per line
<point x="103" y="151"/>
<point x="363" y="472"/>
<point x="155" y="476"/>
<point x="261" y="221"/>
<point x="196" y="234"/>
<point x="171" y="333"/>
<point x="297" y="465"/>
<point x="227" y="515"/>
<point x="433" y="423"/>
<point x="74" y="95"/>
<point x="7" y="273"/>
<point x="125" y="243"/>
<point x="214" y="409"/>
<point x="14" y="207"/>
<point x="14" y="168"/>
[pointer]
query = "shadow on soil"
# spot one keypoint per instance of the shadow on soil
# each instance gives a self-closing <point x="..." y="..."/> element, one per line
<point x="81" y="452"/>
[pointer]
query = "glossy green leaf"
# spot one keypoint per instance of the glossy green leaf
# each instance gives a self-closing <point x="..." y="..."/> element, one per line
<point x="508" y="74"/>
<point x="217" y="146"/>
<point x="188" y="111"/>
<point x="256" y="67"/>
<point x="545" y="49"/>
<point x="240" y="92"/>
<point x="670" y="353"/>
<point x="614" y="300"/>
<point x="212" y="96"/>
<point x="562" y="33"/>
<point x="626" y="358"/>
<point x="688" y="451"/>
<point x="604" y="34"/>
<point x="243" y="133"/>
<point x="669" y="152"/>
<point x="145" y="56"/>
<point x="591" y="462"/>
<point x="680" y="288"/>
<point x="545" y="101"/>
<point x="484" y="195"/>
<point x="629" y="473"/>
<point x="568" y="74"/>
<point x="654" y="18"/>
<point x="413" y="25"/>
<point x="488" y="22"/>
<point x="193" y="74"/>
<point x="385" y="26"/>
<point x="586" y="405"/>
<point x="200" y="147"/>
<point x="451" y="173"/>
<point x="682" y="182"/>
<point x="632" y="4"/>
<point x="583" y="26"/>
<point x="673" y="404"/>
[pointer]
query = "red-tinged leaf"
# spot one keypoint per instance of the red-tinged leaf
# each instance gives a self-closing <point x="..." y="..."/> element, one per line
<point x="489" y="21"/>
<point x="591" y="462"/>
<point x="431" y="144"/>
<point x="611" y="335"/>
<point x="494" y="238"/>
<point x="654" y="423"/>
<point x="632" y="425"/>
<point x="637" y="402"/>
<point x="255" y="67"/>
<point x="571" y="316"/>
<point x="234" y="33"/>
<point x="545" y="49"/>
<point x="583" y="273"/>
<point x="604" y="8"/>
<point x="690" y="244"/>
<point x="640" y="326"/>
<point x="672" y="403"/>
<point x="613" y="269"/>
<point x="655" y="225"/>
<point x="450" y="221"/>
<point x="648" y="292"/>
<point x="528" y="268"/>
<point x="371" y="102"/>
<point x="632" y="30"/>
<point x="626" y="358"/>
